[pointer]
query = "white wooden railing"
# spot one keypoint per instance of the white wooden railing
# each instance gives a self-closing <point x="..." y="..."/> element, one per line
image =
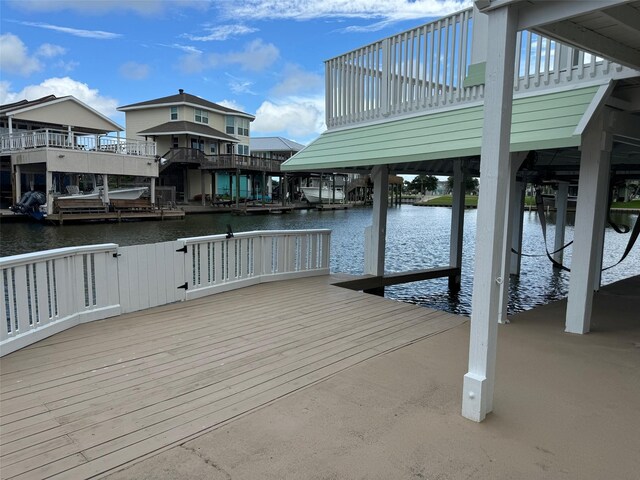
<point x="45" y="138"/>
<point x="427" y="68"/>
<point x="46" y="292"/>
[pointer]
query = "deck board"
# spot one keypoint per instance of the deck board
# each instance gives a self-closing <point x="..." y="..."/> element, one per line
<point x="103" y="394"/>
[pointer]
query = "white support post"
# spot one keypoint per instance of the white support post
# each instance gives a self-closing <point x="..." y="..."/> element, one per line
<point x="202" y="189"/>
<point x="517" y="220"/>
<point x="477" y="396"/>
<point x="375" y="261"/>
<point x="18" y="183"/>
<point x="49" y="192"/>
<point x="457" y="222"/>
<point x="152" y="191"/>
<point x="595" y="162"/>
<point x="105" y="189"/>
<point x="602" y="205"/>
<point x="512" y="205"/>
<point x="561" y="220"/>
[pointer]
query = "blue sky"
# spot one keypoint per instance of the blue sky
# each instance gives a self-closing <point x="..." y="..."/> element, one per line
<point x="262" y="57"/>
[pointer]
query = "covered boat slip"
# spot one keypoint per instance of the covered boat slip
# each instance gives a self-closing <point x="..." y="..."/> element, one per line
<point x="508" y="113"/>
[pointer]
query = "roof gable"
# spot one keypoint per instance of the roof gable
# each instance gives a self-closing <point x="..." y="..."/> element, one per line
<point x="183" y="99"/>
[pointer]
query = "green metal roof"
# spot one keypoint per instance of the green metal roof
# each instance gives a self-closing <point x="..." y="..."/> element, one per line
<point x="539" y="122"/>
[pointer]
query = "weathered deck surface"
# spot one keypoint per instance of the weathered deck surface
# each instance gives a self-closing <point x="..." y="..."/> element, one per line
<point x="99" y="395"/>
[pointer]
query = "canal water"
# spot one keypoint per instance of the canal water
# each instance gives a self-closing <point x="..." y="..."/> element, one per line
<point x="417" y="237"/>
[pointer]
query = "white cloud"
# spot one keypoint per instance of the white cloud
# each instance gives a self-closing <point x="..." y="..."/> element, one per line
<point x="49" y="50"/>
<point x="184" y="48"/>
<point x="99" y="7"/>
<point x="77" y="32"/>
<point x="293" y="117"/>
<point x="14" y="56"/>
<point x="231" y="104"/>
<point x="134" y="70"/>
<point x="256" y="56"/>
<point x="295" y="80"/>
<point x="369" y="9"/>
<point x="60" y="87"/>
<point x="221" y="32"/>
<point x="66" y="66"/>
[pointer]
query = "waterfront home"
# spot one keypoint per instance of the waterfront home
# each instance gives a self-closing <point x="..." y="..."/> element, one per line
<point x="513" y="91"/>
<point x="47" y="143"/>
<point x="205" y="147"/>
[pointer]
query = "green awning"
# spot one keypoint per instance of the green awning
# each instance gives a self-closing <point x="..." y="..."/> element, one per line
<point x="539" y="122"/>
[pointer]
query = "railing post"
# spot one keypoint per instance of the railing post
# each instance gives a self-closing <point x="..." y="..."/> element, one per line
<point x="386" y="73"/>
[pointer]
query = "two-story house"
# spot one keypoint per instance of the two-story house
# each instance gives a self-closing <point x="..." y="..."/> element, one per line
<point x="204" y="146"/>
<point x="48" y="144"/>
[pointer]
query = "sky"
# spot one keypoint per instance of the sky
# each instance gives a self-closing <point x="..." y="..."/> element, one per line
<point x="262" y="57"/>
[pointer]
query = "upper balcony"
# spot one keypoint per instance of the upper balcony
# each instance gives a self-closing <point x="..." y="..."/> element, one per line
<point x="440" y="65"/>
<point x="19" y="141"/>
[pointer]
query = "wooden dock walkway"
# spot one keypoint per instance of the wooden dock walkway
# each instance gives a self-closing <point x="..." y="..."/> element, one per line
<point x="103" y="394"/>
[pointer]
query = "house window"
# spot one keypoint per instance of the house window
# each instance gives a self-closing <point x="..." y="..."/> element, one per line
<point x="174" y="141"/>
<point x="174" y="113"/>
<point x="202" y="116"/>
<point x="230" y="123"/>
<point x="243" y="149"/>
<point x="243" y="126"/>
<point x="213" y="149"/>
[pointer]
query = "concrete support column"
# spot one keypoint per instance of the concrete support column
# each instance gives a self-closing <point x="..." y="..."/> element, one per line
<point x="202" y="188"/>
<point x="457" y="222"/>
<point x="477" y="396"/>
<point x="18" y="183"/>
<point x="152" y="191"/>
<point x="105" y="189"/>
<point x="48" y="178"/>
<point x="602" y="205"/>
<point x="512" y="205"/>
<point x="517" y="220"/>
<point x="374" y="261"/>
<point x="238" y="188"/>
<point x="561" y="220"/>
<point x="593" y="184"/>
<point x="264" y="186"/>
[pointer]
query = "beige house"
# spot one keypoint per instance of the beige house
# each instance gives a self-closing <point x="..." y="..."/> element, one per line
<point x="45" y="142"/>
<point x="202" y="144"/>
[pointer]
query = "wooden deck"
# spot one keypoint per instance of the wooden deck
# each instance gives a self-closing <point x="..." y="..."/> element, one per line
<point x="101" y="395"/>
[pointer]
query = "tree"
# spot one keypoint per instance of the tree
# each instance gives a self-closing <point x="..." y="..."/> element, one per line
<point x="424" y="183"/>
<point x="471" y="184"/>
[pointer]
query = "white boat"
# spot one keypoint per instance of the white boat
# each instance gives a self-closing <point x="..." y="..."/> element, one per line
<point x="132" y="193"/>
<point x="313" y="195"/>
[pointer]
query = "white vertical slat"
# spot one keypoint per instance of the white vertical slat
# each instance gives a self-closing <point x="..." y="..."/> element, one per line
<point x="538" y="60"/>
<point x="304" y="252"/>
<point x="413" y="69"/>
<point x="431" y="66"/>
<point x="21" y="293"/>
<point x="217" y="263"/>
<point x="556" y="61"/>
<point x="462" y="59"/>
<point x="593" y="72"/>
<point x="385" y="78"/>
<point x="5" y="319"/>
<point x="124" y="290"/>
<point x="516" y="79"/>
<point x="326" y="249"/>
<point x="547" y="60"/>
<point x="155" y="266"/>
<point x="581" y="64"/>
<point x="101" y="280"/>
<point x="452" y="59"/>
<point x="438" y="49"/>
<point x="527" y="60"/>
<point x="42" y="294"/>
<point x="180" y="271"/>
<point x="569" y="64"/>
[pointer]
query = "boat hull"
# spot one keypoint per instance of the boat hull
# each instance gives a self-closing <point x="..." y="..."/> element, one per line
<point x="116" y="194"/>
<point x="312" y="194"/>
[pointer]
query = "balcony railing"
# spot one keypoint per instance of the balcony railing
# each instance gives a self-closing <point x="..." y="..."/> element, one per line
<point x="230" y="161"/>
<point x="428" y="68"/>
<point x="49" y="138"/>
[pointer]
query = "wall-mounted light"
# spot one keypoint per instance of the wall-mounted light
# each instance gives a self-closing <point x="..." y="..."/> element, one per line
<point x="61" y="156"/>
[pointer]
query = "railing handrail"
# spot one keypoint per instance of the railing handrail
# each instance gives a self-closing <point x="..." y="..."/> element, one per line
<point x="256" y="233"/>
<point x="13" y="260"/>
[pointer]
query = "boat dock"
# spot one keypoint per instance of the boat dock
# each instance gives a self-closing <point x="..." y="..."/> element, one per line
<point x="310" y="369"/>
<point x="333" y="206"/>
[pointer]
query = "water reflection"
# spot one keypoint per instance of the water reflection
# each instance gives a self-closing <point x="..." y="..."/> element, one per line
<point x="417" y="238"/>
